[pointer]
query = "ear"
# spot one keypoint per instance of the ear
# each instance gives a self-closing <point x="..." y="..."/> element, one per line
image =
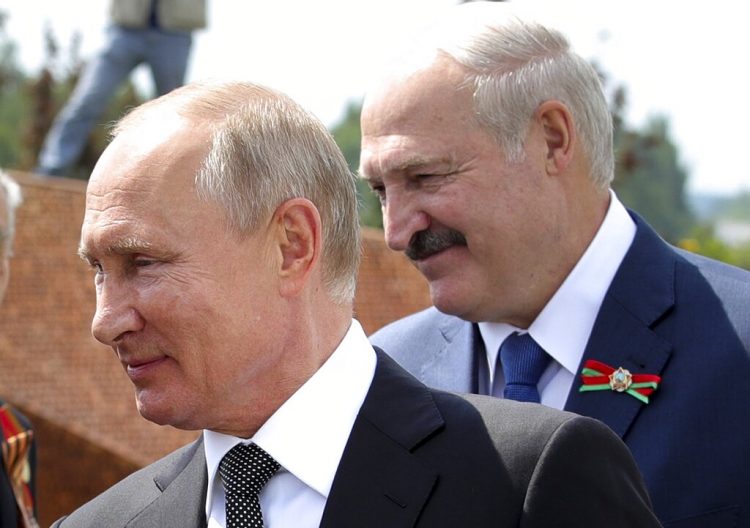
<point x="559" y="135"/>
<point x="299" y="237"/>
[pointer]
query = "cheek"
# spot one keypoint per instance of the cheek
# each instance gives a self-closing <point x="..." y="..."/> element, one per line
<point x="181" y="313"/>
<point x="466" y="213"/>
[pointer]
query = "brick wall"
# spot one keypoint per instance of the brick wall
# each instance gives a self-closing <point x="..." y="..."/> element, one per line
<point x="88" y="430"/>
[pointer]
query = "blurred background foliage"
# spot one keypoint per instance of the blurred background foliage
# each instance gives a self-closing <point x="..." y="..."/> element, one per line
<point x="650" y="178"/>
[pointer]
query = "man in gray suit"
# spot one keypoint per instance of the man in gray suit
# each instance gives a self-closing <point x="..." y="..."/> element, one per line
<point x="221" y="223"/>
<point x="493" y="158"/>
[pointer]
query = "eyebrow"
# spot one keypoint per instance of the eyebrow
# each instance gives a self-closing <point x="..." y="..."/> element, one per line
<point x="124" y="246"/>
<point x="410" y="164"/>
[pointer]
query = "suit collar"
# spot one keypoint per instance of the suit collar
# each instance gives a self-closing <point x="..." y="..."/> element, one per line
<point x="449" y="367"/>
<point x="181" y="492"/>
<point x="645" y="282"/>
<point x="642" y="293"/>
<point x="379" y="480"/>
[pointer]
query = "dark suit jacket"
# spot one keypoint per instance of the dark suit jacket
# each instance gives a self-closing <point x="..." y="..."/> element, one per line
<point x="8" y="507"/>
<point x="667" y="312"/>
<point x="420" y="457"/>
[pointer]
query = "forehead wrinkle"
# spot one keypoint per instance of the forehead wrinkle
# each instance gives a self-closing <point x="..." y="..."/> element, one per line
<point x="100" y="198"/>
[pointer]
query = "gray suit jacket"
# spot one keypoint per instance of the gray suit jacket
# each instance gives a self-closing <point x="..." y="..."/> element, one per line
<point x="667" y="312"/>
<point x="417" y="457"/>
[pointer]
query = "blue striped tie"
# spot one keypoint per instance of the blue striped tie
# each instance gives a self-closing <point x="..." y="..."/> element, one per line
<point x="523" y="362"/>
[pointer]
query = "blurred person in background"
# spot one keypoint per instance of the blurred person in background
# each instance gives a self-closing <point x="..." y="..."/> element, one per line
<point x="153" y="32"/>
<point x="17" y="501"/>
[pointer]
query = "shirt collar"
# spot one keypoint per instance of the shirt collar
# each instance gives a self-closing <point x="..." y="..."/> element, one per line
<point x="563" y="326"/>
<point x="308" y="433"/>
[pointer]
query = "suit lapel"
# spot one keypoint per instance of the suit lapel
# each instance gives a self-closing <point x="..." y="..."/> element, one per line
<point x="183" y="484"/>
<point x="641" y="294"/>
<point x="452" y="366"/>
<point x="379" y="482"/>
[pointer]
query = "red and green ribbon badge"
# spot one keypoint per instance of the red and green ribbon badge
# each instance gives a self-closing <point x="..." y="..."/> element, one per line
<point x="15" y="444"/>
<point x="600" y="376"/>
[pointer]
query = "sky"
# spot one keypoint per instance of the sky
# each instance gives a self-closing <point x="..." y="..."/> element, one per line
<point x="686" y="63"/>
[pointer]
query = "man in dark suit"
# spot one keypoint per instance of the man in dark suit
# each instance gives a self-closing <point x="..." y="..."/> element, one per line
<point x="17" y="447"/>
<point x="492" y="155"/>
<point x="221" y="223"/>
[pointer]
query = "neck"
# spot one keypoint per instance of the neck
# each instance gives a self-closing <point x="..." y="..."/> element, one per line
<point x="583" y="215"/>
<point x="312" y="333"/>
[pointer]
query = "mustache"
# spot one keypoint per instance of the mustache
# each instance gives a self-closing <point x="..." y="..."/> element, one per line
<point x="426" y="243"/>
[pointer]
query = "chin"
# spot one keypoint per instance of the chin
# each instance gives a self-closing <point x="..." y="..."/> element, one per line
<point x="447" y="301"/>
<point x="455" y="301"/>
<point x="162" y="410"/>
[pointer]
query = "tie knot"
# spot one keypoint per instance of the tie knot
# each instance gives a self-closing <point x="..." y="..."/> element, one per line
<point x="246" y="468"/>
<point x="523" y="362"/>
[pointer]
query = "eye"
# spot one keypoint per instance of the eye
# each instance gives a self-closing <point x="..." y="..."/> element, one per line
<point x="380" y="193"/>
<point x="427" y="177"/>
<point x="378" y="189"/>
<point x="143" y="262"/>
<point x="98" y="272"/>
<point x="432" y="181"/>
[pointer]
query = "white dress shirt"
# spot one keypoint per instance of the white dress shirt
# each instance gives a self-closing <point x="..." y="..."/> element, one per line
<point x="563" y="326"/>
<point x="306" y="435"/>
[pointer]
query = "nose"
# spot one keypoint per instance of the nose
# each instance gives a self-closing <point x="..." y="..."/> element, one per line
<point x="116" y="315"/>
<point x="401" y="220"/>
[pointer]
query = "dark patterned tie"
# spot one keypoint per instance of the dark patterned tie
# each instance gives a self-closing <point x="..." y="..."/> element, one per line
<point x="523" y="361"/>
<point x="244" y="470"/>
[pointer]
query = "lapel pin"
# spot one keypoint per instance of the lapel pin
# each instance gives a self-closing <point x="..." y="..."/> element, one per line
<point x="620" y="380"/>
<point x="600" y="376"/>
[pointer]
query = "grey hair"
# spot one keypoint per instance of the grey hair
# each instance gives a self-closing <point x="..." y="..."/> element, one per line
<point x="13" y="197"/>
<point x="266" y="149"/>
<point x="515" y="64"/>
